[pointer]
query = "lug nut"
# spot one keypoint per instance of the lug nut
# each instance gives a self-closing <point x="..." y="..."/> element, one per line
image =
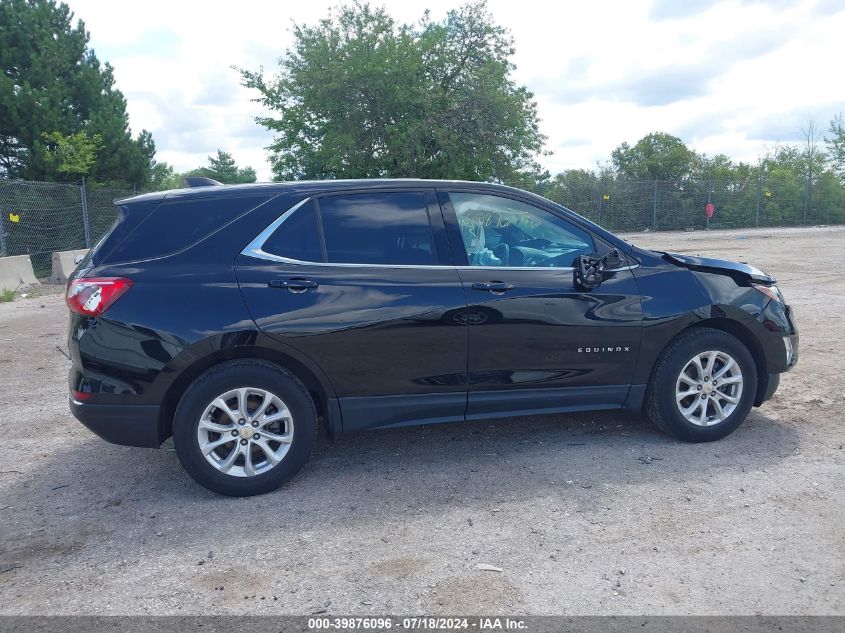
<point x="255" y="423"/>
<point x="234" y="433"/>
<point x="703" y="396"/>
<point x="256" y="437"/>
<point x="243" y="442"/>
<point x="241" y="421"/>
<point x="699" y="387"/>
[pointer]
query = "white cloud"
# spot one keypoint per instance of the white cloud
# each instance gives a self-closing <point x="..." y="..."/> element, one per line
<point x="728" y="77"/>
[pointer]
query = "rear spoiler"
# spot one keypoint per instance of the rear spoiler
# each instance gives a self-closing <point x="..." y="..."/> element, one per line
<point x="201" y="181"/>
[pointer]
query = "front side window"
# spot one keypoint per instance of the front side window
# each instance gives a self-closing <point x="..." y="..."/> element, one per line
<point x="377" y="228"/>
<point x="499" y="231"/>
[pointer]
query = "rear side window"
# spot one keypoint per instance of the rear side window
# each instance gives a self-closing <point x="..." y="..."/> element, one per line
<point x="377" y="228"/>
<point x="173" y="226"/>
<point x="129" y="217"/>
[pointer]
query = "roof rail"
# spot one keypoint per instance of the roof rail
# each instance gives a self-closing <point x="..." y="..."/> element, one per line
<point x="201" y="181"/>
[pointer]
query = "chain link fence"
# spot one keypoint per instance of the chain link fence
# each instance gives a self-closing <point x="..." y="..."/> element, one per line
<point x="38" y="218"/>
<point x="656" y="205"/>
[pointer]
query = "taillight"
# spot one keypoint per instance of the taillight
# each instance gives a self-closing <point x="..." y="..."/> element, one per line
<point x="92" y="296"/>
<point x="772" y="292"/>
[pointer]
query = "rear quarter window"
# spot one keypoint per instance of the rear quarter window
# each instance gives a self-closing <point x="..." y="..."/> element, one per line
<point x="298" y="237"/>
<point x="170" y="227"/>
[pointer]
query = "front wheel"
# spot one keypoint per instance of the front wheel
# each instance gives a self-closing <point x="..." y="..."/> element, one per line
<point x="703" y="386"/>
<point x="244" y="427"/>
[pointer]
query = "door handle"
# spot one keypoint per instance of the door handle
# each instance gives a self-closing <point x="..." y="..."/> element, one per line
<point x="295" y="285"/>
<point x="496" y="287"/>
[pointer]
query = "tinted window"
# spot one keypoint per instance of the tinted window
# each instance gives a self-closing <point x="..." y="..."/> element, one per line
<point x="377" y="228"/>
<point x="297" y="237"/>
<point x="173" y="226"/>
<point x="129" y="217"/>
<point x="503" y="232"/>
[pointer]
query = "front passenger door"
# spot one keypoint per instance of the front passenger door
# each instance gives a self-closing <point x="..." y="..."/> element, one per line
<point x="536" y="342"/>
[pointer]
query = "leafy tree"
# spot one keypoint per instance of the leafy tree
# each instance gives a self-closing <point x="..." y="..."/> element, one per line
<point x="224" y="169"/>
<point x="360" y="95"/>
<point x="577" y="189"/>
<point x="836" y="147"/>
<point x="73" y="155"/>
<point x="164" y="177"/>
<point x="50" y="81"/>
<point x="657" y="156"/>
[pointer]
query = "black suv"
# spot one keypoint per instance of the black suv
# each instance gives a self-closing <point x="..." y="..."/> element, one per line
<point x="233" y="317"/>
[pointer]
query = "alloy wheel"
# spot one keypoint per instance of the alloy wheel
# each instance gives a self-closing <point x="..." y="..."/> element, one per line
<point x="245" y="432"/>
<point x="709" y="388"/>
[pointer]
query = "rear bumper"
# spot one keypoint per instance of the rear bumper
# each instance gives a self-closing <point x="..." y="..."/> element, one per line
<point x="129" y="425"/>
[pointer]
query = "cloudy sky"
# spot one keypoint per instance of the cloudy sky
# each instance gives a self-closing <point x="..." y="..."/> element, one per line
<point x="733" y="77"/>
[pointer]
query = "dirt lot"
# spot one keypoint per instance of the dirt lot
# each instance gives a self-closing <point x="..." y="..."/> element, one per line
<point x="591" y="513"/>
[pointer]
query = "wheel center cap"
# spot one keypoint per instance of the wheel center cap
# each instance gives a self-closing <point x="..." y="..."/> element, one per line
<point x="707" y="389"/>
<point x="246" y="432"/>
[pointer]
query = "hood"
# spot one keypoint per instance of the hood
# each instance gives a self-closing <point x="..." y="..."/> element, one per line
<point x="742" y="273"/>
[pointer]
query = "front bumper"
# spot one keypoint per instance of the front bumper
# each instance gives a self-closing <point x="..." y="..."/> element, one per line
<point x="126" y="424"/>
<point x="767" y="389"/>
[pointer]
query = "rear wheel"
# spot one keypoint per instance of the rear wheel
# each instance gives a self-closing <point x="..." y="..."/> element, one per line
<point x="703" y="386"/>
<point x="244" y="427"/>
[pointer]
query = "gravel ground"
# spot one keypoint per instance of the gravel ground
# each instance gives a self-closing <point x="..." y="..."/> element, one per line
<point x="584" y="514"/>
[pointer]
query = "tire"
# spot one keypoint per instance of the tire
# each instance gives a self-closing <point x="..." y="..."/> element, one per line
<point x="210" y="411"/>
<point x="685" y="406"/>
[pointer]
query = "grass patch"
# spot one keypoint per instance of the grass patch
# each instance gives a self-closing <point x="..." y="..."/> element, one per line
<point x="7" y="295"/>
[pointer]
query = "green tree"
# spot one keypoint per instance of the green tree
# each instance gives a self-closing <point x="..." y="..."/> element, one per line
<point x="223" y="168"/>
<point x="164" y="177"/>
<point x="577" y="189"/>
<point x="73" y="155"/>
<point x="360" y="95"/>
<point x="836" y="147"/>
<point x="50" y="81"/>
<point x="657" y="156"/>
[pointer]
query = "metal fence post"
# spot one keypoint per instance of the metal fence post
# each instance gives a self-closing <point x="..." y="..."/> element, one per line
<point x="85" y="222"/>
<point x="654" y="210"/>
<point x="3" y="250"/>
<point x="759" y="194"/>
<point x="807" y="194"/>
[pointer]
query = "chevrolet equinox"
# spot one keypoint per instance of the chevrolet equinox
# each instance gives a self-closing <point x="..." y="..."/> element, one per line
<point x="232" y="318"/>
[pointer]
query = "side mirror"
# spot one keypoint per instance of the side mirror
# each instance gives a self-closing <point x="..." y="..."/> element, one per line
<point x="589" y="271"/>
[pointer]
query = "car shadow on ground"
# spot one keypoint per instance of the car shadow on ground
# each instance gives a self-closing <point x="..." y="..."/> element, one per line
<point x="380" y="475"/>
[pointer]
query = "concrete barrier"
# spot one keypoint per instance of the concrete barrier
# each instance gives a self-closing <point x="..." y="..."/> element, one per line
<point x="64" y="263"/>
<point x="16" y="271"/>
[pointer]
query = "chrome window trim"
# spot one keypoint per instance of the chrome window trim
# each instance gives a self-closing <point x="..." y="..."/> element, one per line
<point x="254" y="249"/>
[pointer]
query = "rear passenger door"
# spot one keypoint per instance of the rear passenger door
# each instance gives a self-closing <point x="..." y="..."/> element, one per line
<point x="363" y="284"/>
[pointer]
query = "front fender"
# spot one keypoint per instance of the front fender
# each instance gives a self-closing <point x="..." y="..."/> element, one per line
<point x="675" y="299"/>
